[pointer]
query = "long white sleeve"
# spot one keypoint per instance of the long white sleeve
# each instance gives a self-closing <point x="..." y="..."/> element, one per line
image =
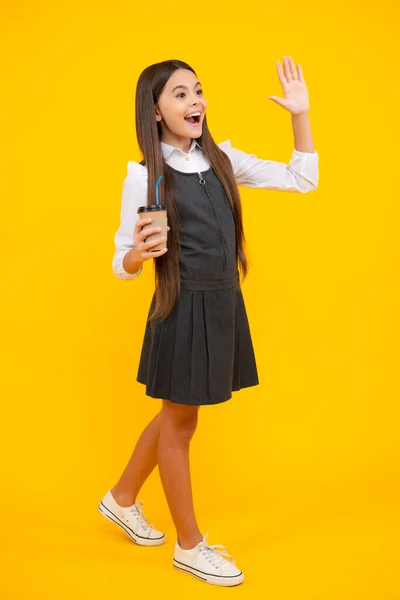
<point x="134" y="194"/>
<point x="300" y="175"/>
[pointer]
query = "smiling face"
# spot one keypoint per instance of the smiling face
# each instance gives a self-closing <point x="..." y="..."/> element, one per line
<point x="182" y="95"/>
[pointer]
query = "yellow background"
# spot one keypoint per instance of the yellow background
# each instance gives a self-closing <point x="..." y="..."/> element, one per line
<point x="298" y="477"/>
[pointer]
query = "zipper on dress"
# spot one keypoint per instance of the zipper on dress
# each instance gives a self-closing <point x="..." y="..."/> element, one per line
<point x="202" y="181"/>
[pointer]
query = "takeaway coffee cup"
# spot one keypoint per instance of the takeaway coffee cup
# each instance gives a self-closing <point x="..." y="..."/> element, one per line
<point x="158" y="214"/>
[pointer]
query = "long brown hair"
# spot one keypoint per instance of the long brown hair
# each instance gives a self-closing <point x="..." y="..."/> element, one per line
<point x="150" y="85"/>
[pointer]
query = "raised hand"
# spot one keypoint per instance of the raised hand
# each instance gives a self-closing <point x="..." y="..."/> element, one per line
<point x="294" y="88"/>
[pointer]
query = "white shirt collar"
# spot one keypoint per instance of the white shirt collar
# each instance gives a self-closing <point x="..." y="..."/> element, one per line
<point x="167" y="149"/>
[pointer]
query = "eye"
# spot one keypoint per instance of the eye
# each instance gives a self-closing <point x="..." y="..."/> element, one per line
<point x="201" y="91"/>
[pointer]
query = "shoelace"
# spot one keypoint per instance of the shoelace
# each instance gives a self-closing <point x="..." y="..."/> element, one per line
<point x="137" y="509"/>
<point x="214" y="556"/>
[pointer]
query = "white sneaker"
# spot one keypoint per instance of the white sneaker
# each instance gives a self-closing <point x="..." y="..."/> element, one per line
<point x="132" y="520"/>
<point x="207" y="563"/>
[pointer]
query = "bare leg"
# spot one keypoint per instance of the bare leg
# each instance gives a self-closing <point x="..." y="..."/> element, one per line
<point x="140" y="465"/>
<point x="178" y="423"/>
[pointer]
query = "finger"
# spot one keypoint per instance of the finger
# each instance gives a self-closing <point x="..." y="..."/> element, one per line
<point x="281" y="74"/>
<point x="143" y="221"/>
<point x="301" y="74"/>
<point x="287" y="68"/>
<point x="154" y="242"/>
<point x="161" y="252"/>
<point x="292" y="68"/>
<point x="140" y="224"/>
<point x="146" y="232"/>
<point x="275" y="99"/>
<point x="149" y="254"/>
<point x="278" y="101"/>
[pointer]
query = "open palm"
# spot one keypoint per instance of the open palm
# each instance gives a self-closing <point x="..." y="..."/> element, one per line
<point x="294" y="87"/>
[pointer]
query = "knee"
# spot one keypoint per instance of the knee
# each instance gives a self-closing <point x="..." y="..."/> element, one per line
<point x="180" y="420"/>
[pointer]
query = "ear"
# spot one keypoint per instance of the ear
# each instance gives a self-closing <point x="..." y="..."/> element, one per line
<point x="158" y="116"/>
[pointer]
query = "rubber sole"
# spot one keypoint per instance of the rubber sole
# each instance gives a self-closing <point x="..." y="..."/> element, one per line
<point x="206" y="578"/>
<point x="142" y="541"/>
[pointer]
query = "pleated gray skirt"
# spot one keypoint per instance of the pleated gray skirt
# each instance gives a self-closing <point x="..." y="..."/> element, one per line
<point x="203" y="350"/>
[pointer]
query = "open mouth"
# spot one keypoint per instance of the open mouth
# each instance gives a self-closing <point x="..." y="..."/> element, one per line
<point x="193" y="120"/>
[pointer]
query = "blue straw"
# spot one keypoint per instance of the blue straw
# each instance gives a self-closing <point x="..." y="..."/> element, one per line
<point x="157" y="184"/>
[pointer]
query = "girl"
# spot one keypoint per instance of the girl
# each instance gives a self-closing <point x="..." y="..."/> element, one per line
<point x="197" y="346"/>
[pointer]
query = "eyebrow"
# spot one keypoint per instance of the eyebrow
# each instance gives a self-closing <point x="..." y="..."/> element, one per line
<point x="184" y="87"/>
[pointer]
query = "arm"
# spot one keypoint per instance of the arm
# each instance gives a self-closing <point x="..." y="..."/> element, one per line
<point x="296" y="102"/>
<point x="303" y="141"/>
<point x="302" y="174"/>
<point x="134" y="194"/>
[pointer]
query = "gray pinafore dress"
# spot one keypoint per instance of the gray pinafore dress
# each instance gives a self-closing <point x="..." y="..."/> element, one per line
<point x="202" y="351"/>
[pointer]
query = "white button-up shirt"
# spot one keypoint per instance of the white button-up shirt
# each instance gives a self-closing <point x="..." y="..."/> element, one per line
<point x="300" y="175"/>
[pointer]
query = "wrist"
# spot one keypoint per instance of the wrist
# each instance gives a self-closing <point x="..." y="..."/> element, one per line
<point x="301" y="116"/>
<point x="131" y="262"/>
<point x="135" y="255"/>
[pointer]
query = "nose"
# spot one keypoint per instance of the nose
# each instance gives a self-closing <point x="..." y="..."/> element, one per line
<point x="196" y="99"/>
